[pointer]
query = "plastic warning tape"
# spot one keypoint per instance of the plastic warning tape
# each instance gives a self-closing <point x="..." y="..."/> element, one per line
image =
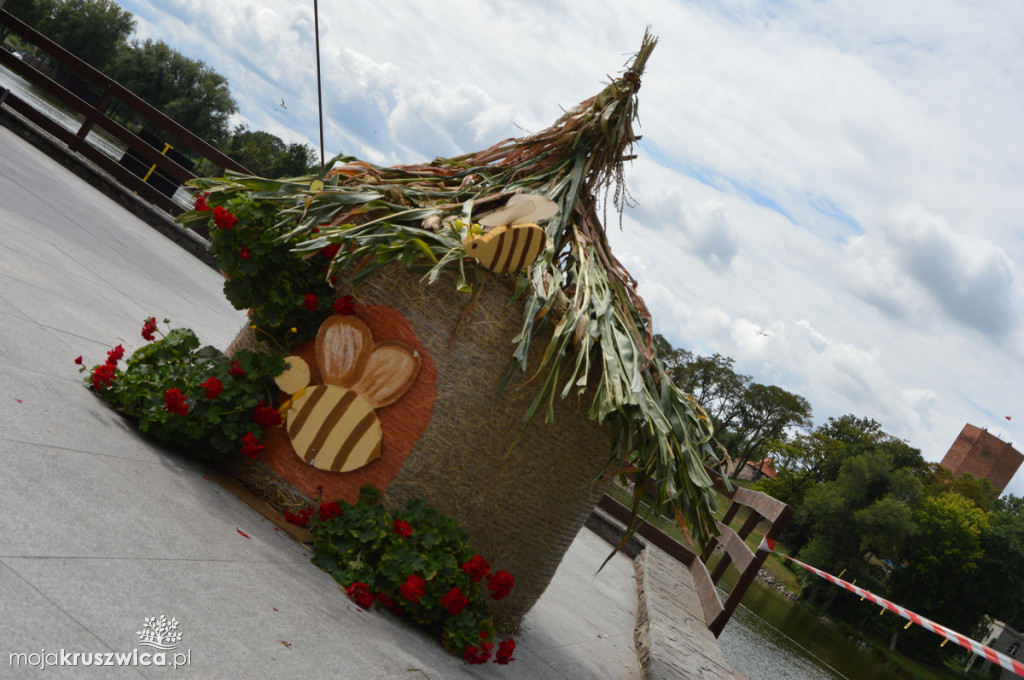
<point x="951" y="635"/>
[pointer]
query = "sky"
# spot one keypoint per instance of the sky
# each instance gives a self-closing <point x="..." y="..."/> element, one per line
<point x="829" y="192"/>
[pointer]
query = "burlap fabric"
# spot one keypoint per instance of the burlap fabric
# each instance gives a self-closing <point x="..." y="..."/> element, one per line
<point x="521" y="495"/>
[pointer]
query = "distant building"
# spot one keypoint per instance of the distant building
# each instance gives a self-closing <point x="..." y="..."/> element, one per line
<point x="983" y="455"/>
<point x="1005" y="639"/>
<point x="754" y="471"/>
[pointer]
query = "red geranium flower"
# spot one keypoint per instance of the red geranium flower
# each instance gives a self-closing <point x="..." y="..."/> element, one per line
<point x="175" y="402"/>
<point x="476" y="567"/>
<point x="79" y="360"/>
<point x="402" y="528"/>
<point x="223" y="218"/>
<point x="251" y="446"/>
<point x="244" y="254"/>
<point x="149" y="328"/>
<point x="454" y="601"/>
<point x="300" y="518"/>
<point x="385" y="600"/>
<point x="505" y="649"/>
<point x="114" y="355"/>
<point x="478" y="655"/>
<point x="266" y="416"/>
<point x="329" y="511"/>
<point x="310" y="302"/>
<point x="103" y="375"/>
<point x="412" y="589"/>
<point x="345" y="305"/>
<point x="201" y="205"/>
<point x="213" y="387"/>
<point x="360" y="592"/>
<point x="236" y="370"/>
<point x="500" y="584"/>
<point x="330" y="251"/>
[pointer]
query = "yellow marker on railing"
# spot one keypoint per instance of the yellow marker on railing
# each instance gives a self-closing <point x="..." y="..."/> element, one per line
<point x="167" y="147"/>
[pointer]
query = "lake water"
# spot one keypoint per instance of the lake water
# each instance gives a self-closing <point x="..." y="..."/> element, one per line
<point x="769" y="638"/>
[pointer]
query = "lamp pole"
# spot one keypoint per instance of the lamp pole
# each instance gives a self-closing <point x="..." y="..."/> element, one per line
<point x="319" y="91"/>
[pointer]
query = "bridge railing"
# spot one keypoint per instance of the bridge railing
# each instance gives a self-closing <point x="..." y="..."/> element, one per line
<point x="158" y="154"/>
<point x="757" y="512"/>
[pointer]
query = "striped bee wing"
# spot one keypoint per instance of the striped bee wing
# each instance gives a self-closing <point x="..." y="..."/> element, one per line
<point x="507" y="249"/>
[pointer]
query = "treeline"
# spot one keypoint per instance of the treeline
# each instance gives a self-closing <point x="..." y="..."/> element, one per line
<point x="187" y="90"/>
<point x="869" y="506"/>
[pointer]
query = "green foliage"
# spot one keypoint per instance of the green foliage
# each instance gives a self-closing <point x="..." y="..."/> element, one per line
<point x="92" y="30"/>
<point x="266" y="155"/>
<point x="418" y="563"/>
<point x="748" y="417"/>
<point x="187" y="90"/>
<point x="213" y="428"/>
<point x="265" y="274"/>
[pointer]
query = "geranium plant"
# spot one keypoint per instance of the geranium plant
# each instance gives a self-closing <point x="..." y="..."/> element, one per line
<point x="288" y="294"/>
<point x="192" y="397"/>
<point x="416" y="563"/>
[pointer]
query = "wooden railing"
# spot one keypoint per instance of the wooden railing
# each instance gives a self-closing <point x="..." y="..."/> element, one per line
<point x="766" y="515"/>
<point x="158" y="159"/>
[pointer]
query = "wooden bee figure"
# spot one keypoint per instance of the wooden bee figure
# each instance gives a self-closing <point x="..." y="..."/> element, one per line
<point x="514" y="242"/>
<point x="334" y="426"/>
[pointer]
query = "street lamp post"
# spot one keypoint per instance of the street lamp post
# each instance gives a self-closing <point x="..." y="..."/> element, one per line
<point x="319" y="90"/>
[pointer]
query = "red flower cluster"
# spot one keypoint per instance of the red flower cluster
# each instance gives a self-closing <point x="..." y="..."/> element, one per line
<point x="223" y="218"/>
<point x="175" y="402"/>
<point x="115" y="355"/>
<point x="412" y="589"/>
<point x="454" y="601"/>
<point x="201" y="205"/>
<point x="344" y="306"/>
<point x="479" y="655"/>
<point x="300" y="518"/>
<point x="329" y="511"/>
<point x="236" y="370"/>
<point x="149" y="328"/>
<point x="360" y="592"/>
<point x="505" y="649"/>
<point x="103" y="375"/>
<point x="500" y="584"/>
<point x="213" y="387"/>
<point x="476" y="567"/>
<point x="310" y="302"/>
<point x="266" y="416"/>
<point x="402" y="528"/>
<point x="244" y="254"/>
<point x="251" y="446"/>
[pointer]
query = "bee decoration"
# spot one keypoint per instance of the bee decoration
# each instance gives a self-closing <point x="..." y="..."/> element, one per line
<point x="334" y="426"/>
<point x="514" y="241"/>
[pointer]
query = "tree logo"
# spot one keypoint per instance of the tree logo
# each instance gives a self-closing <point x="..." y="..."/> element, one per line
<point x="159" y="632"/>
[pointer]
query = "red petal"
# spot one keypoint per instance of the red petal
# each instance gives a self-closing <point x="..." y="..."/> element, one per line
<point x="244" y="534"/>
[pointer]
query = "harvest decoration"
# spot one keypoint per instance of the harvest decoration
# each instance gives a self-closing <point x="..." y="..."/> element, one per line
<point x="601" y="337"/>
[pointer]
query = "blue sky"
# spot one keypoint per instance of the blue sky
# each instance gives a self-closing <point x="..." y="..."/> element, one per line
<point x="846" y="176"/>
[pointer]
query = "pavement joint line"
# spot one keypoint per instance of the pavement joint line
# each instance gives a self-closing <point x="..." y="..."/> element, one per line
<point x="162" y="462"/>
<point x="96" y="558"/>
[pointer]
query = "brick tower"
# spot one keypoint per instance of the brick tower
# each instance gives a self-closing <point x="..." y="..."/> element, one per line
<point x="983" y="455"/>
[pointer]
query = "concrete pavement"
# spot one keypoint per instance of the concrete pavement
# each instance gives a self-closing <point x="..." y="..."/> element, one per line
<point x="100" y="528"/>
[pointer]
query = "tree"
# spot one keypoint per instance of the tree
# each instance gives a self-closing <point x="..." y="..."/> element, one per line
<point x="765" y="412"/>
<point x="192" y="94"/>
<point x="266" y="155"/>
<point x="92" y="30"/>
<point x="941" y="556"/>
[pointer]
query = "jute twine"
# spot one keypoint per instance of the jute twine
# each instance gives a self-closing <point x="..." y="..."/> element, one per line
<point x="521" y="495"/>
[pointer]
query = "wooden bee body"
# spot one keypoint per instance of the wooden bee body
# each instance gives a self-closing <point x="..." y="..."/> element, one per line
<point x="507" y="249"/>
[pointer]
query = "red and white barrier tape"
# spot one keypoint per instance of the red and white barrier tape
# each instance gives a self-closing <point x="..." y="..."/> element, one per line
<point x="962" y="640"/>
